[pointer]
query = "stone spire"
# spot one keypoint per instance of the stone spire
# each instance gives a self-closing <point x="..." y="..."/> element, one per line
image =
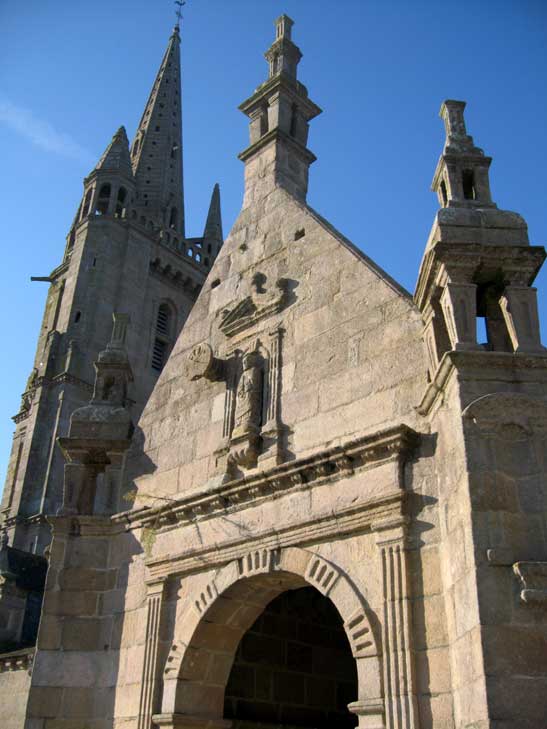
<point x="212" y="234"/>
<point x="461" y="178"/>
<point x="116" y="156"/>
<point x="279" y="113"/>
<point x="156" y="152"/>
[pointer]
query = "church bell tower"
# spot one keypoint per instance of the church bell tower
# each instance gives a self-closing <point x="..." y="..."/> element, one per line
<point x="126" y="253"/>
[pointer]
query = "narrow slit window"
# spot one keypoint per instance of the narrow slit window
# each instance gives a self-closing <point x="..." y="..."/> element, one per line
<point x="468" y="182"/>
<point x="444" y="195"/>
<point x="87" y="203"/>
<point x="120" y="202"/>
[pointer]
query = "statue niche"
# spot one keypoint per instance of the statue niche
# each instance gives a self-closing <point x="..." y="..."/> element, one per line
<point x="251" y="426"/>
<point x="248" y="409"/>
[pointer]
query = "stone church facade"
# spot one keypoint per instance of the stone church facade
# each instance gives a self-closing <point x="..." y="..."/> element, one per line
<point x="338" y="494"/>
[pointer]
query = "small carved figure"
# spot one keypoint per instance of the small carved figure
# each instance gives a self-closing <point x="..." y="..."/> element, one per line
<point x="248" y="407"/>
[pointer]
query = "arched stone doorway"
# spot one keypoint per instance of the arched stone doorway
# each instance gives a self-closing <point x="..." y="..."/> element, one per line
<point x="293" y="667"/>
<point x="200" y="662"/>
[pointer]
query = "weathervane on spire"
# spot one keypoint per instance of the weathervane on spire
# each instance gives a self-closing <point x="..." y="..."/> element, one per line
<point x="178" y="11"/>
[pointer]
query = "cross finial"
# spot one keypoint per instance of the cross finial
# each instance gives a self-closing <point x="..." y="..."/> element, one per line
<point x="178" y="12"/>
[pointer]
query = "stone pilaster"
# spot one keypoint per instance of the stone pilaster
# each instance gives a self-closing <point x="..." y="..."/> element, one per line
<point x="151" y="669"/>
<point x="519" y="307"/>
<point x="399" y="691"/>
<point x="458" y="301"/>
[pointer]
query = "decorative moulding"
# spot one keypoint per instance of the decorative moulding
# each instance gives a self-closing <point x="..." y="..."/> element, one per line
<point x="488" y="363"/>
<point x="328" y="465"/>
<point x="258" y="305"/>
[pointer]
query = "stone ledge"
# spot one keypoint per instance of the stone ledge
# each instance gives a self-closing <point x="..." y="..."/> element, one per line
<point x="478" y="359"/>
<point x="20" y="660"/>
<point x="327" y="465"/>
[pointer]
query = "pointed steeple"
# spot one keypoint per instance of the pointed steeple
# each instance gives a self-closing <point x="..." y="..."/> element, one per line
<point x="116" y="155"/>
<point x="212" y="234"/>
<point x="156" y="152"/>
<point x="461" y="178"/>
<point x="279" y="111"/>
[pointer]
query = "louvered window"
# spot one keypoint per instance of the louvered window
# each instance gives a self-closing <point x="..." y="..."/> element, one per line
<point x="158" y="354"/>
<point x="162" y="339"/>
<point x="162" y="323"/>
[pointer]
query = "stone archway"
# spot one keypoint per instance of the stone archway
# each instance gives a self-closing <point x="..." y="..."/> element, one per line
<point x="199" y="663"/>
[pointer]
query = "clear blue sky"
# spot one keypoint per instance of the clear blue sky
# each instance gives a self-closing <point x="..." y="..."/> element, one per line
<point x="72" y="71"/>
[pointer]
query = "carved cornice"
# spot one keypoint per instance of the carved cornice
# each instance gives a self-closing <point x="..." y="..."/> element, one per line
<point x="374" y="515"/>
<point x="177" y="278"/>
<point x="64" y="378"/>
<point x="518" y="263"/>
<point x="471" y="361"/>
<point x="18" y="660"/>
<point x="329" y="465"/>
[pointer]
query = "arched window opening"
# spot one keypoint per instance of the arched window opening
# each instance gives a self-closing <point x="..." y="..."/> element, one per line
<point x="103" y="200"/>
<point x="198" y="257"/>
<point x="173" y="218"/>
<point x="71" y="239"/>
<point x="120" y="203"/>
<point x="294" y="666"/>
<point x="87" y="203"/>
<point x="136" y="147"/>
<point x="207" y="262"/>
<point x="190" y="253"/>
<point x="468" y="182"/>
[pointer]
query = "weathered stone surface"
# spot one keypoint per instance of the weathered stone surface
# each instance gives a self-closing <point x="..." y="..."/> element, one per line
<point x="337" y="494"/>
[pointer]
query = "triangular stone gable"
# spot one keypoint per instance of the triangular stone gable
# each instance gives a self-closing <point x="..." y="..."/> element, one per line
<point x="346" y="340"/>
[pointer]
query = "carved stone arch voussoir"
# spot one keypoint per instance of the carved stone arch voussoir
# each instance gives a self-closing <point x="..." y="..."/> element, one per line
<point x="228" y="605"/>
<point x="497" y="412"/>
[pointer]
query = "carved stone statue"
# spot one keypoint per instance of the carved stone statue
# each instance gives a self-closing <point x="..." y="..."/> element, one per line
<point x="248" y="407"/>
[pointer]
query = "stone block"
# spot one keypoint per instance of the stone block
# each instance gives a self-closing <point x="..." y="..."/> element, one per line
<point x="44" y="702"/>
